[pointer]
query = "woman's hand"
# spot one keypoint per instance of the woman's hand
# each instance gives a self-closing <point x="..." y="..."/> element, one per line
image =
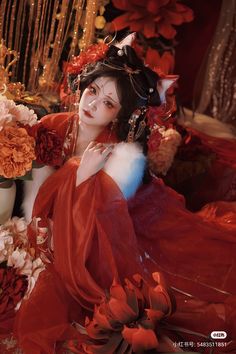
<point x="92" y="161"/>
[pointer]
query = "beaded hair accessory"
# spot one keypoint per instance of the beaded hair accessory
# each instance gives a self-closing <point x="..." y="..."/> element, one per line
<point x="135" y="116"/>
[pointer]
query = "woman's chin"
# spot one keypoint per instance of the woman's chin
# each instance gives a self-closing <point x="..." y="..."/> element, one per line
<point x="86" y="120"/>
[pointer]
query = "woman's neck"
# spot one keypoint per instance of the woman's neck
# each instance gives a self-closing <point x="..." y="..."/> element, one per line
<point x="86" y="134"/>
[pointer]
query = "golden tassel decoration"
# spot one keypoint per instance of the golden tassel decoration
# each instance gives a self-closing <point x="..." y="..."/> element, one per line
<point x="89" y="25"/>
<point x="41" y="30"/>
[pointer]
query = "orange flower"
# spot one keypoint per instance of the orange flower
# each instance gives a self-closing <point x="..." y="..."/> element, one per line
<point x="152" y="18"/>
<point x="17" y="152"/>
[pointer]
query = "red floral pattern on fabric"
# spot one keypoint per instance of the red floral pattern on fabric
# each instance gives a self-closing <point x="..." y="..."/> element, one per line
<point x="48" y="147"/>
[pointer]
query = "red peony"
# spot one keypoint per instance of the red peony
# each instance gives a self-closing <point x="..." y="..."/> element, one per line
<point x="152" y="18"/>
<point x="49" y="147"/>
<point x="12" y="290"/>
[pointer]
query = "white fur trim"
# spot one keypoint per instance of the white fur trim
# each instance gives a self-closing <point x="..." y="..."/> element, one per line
<point x="126" y="167"/>
<point x="207" y="125"/>
<point x="31" y="189"/>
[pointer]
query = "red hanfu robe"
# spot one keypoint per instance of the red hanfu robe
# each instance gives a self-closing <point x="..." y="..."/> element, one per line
<point x="98" y="235"/>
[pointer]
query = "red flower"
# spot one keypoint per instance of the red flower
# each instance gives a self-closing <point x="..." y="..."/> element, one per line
<point x="127" y="319"/>
<point x="153" y="18"/>
<point x="49" y="146"/>
<point x="12" y="289"/>
<point x="165" y="63"/>
<point x="92" y="54"/>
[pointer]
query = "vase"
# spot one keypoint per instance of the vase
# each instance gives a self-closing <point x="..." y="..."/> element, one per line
<point x="7" y="200"/>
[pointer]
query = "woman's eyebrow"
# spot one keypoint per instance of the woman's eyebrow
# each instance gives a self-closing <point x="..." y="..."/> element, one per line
<point x="111" y="98"/>
<point x="99" y="88"/>
<point x="94" y="83"/>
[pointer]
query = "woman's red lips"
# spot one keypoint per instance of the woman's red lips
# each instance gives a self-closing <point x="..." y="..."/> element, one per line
<point x="88" y="114"/>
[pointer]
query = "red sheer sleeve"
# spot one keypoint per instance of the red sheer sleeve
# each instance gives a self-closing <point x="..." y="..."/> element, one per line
<point x="94" y="242"/>
<point x="90" y="224"/>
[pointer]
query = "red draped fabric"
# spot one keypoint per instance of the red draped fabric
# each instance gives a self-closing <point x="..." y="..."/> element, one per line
<point x="99" y="236"/>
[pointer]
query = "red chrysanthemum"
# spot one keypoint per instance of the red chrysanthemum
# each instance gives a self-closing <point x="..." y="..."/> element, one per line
<point x="12" y="290"/>
<point x="127" y="319"/>
<point x="152" y="18"/>
<point x="49" y="147"/>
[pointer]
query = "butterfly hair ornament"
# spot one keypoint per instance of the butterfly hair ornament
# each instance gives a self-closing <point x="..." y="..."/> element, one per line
<point x="156" y="110"/>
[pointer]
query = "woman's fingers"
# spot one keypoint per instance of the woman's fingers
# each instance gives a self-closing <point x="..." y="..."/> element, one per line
<point x="98" y="147"/>
<point x="91" y="145"/>
<point x="107" y="151"/>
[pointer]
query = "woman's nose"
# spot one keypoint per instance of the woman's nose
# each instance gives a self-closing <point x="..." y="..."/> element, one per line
<point x="93" y="104"/>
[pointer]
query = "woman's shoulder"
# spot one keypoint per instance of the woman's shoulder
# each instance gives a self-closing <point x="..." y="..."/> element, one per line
<point x="59" y="121"/>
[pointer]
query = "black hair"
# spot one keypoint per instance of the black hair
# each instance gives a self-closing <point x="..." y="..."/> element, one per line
<point x="132" y="94"/>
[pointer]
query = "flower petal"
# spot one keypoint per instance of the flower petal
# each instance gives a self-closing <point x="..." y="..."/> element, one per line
<point x="121" y="311"/>
<point x="121" y="22"/>
<point x="141" y="339"/>
<point x="166" y="30"/>
<point x="144" y="339"/>
<point x="155" y="315"/>
<point x="117" y="291"/>
<point x="109" y="347"/>
<point x="150" y="29"/>
<point x="104" y="320"/>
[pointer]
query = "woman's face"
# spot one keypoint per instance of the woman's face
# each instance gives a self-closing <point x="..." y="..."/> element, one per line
<point x="99" y="104"/>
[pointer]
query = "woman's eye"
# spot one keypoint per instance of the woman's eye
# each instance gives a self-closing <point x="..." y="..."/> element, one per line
<point x="108" y="104"/>
<point x="92" y="90"/>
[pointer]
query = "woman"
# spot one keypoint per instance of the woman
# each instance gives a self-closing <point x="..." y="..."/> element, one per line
<point x="105" y="230"/>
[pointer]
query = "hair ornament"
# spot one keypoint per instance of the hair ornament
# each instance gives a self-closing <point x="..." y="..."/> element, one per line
<point x="120" y="52"/>
<point x="136" y="115"/>
<point x="131" y="71"/>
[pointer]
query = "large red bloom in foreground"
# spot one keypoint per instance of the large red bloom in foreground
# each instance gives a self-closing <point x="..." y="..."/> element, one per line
<point x="129" y="318"/>
<point x="153" y="18"/>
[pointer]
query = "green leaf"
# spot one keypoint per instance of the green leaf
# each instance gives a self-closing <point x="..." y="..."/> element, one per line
<point x="2" y="179"/>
